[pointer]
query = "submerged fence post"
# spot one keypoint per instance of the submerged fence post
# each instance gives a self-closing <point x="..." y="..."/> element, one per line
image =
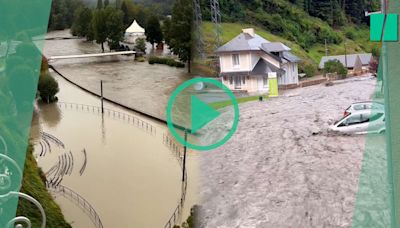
<point x="101" y="91"/>
<point x="184" y="158"/>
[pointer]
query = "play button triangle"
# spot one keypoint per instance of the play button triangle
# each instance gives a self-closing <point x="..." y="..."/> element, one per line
<point x="201" y="114"/>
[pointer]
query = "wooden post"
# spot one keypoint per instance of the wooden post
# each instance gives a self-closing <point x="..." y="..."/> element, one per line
<point x="101" y="91"/>
<point x="184" y="158"/>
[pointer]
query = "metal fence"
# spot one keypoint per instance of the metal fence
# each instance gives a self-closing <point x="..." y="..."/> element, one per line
<point x="130" y="119"/>
<point x="174" y="147"/>
<point x="177" y="150"/>
<point x="84" y="204"/>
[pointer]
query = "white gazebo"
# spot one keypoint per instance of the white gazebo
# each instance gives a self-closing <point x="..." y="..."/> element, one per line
<point x="134" y="31"/>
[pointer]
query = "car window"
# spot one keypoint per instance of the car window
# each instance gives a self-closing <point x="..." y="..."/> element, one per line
<point x="359" y="107"/>
<point x="376" y="116"/>
<point x="354" y="119"/>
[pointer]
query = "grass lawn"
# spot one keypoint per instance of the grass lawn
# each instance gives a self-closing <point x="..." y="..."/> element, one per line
<point x="33" y="185"/>
<point x="223" y="104"/>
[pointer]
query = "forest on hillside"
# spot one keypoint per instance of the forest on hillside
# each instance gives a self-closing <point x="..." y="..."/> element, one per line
<point x="305" y="22"/>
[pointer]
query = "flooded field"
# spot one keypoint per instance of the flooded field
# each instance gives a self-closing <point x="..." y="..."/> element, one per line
<point x="123" y="169"/>
<point x="283" y="169"/>
<point x="119" y="169"/>
<point x="138" y="85"/>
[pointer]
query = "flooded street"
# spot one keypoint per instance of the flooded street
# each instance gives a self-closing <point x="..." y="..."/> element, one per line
<point x="283" y="169"/>
<point x="121" y="168"/>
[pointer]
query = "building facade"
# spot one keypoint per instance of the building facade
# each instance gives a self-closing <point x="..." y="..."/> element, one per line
<point x="248" y="62"/>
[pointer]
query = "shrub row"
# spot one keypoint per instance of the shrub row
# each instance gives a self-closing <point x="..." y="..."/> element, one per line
<point x="166" y="61"/>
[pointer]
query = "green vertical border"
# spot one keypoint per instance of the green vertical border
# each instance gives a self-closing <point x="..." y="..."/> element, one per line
<point x="23" y="25"/>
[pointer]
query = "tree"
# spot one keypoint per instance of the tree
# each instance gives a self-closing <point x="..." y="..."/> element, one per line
<point x="124" y="9"/>
<point x="114" y="27"/>
<point x="106" y="3"/>
<point x="335" y="66"/>
<point x="99" y="27"/>
<point x="140" y="45"/>
<point x="166" y="29"/>
<point x="82" y="24"/>
<point x="48" y="88"/>
<point x="99" y="4"/>
<point x="181" y="30"/>
<point x="153" y="31"/>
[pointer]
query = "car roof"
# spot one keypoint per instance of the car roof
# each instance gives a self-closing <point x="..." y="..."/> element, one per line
<point x="367" y="102"/>
<point x="367" y="111"/>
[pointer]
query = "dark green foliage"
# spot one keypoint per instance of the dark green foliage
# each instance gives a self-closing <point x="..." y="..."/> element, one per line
<point x="62" y="13"/>
<point x="100" y="27"/>
<point x="48" y="88"/>
<point x="308" y="69"/>
<point x="99" y="4"/>
<point x="181" y="30"/>
<point x="82" y="25"/>
<point x="114" y="27"/>
<point x="126" y="19"/>
<point x="153" y="32"/>
<point x="33" y="185"/>
<point x="140" y="45"/>
<point x="166" y="61"/>
<point x="106" y="3"/>
<point x="295" y="20"/>
<point x="166" y="29"/>
<point x="335" y="66"/>
<point x="108" y="26"/>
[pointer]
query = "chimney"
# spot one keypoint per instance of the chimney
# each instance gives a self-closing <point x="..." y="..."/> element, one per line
<point x="249" y="31"/>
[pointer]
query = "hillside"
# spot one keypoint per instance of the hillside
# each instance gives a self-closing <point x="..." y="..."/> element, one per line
<point x="298" y="24"/>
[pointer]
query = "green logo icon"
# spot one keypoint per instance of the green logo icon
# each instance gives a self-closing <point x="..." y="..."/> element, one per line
<point x="384" y="27"/>
<point x="191" y="107"/>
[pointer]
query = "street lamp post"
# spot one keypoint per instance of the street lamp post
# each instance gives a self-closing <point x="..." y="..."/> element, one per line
<point x="184" y="158"/>
<point x="102" y="97"/>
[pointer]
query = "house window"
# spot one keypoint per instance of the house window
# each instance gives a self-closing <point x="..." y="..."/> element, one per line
<point x="265" y="81"/>
<point x="236" y="60"/>
<point x="244" y="80"/>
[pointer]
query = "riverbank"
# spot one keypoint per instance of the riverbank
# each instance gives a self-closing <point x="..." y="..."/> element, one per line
<point x="33" y="184"/>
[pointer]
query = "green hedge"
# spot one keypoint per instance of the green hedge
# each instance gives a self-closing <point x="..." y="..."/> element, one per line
<point x="166" y="61"/>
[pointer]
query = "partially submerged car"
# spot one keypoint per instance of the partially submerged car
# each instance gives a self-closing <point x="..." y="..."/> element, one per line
<point x="366" y="105"/>
<point x="361" y="122"/>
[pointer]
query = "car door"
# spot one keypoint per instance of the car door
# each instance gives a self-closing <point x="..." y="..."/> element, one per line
<point x="353" y="124"/>
<point x="376" y="122"/>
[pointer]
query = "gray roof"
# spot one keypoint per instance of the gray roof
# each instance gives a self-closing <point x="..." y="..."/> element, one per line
<point x="291" y="57"/>
<point x="243" y="42"/>
<point x="260" y="69"/>
<point x="351" y="59"/>
<point x="274" y="47"/>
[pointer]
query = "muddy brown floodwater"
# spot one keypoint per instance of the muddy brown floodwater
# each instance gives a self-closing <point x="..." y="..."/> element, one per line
<point x="138" y="85"/>
<point x="282" y="168"/>
<point x="118" y="163"/>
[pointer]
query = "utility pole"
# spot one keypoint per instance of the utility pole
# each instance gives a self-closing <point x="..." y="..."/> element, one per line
<point x="102" y="97"/>
<point x="184" y="158"/>
<point x="326" y="49"/>
<point x="345" y="53"/>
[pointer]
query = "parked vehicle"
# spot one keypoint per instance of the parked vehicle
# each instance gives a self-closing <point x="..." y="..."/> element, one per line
<point x="366" y="105"/>
<point x="361" y="122"/>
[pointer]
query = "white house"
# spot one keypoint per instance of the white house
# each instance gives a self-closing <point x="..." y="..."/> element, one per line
<point x="133" y="32"/>
<point x="248" y="60"/>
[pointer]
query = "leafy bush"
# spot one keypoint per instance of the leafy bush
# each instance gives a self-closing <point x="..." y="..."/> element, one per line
<point x="48" y="88"/>
<point x="309" y="69"/>
<point x="335" y="66"/>
<point x="166" y="61"/>
<point x="140" y="45"/>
